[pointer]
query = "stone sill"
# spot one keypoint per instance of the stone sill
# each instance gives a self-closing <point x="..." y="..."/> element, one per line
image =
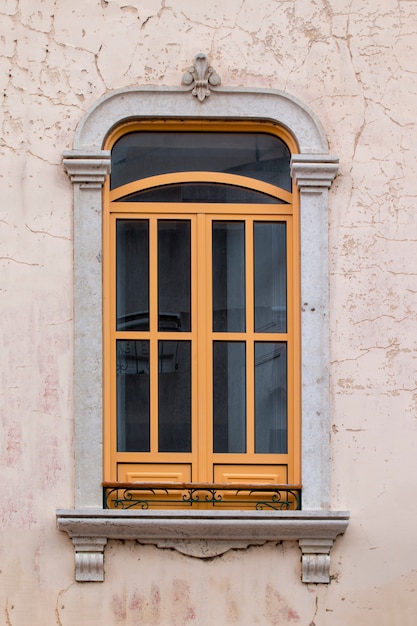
<point x="202" y="534"/>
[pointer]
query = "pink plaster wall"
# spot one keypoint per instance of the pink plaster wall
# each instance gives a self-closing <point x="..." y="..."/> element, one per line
<point x="353" y="63"/>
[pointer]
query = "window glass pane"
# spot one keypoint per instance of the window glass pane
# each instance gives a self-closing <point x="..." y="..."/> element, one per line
<point x="132" y="374"/>
<point x="270" y="273"/>
<point x="257" y="155"/>
<point x="174" y="275"/>
<point x="202" y="192"/>
<point x="228" y="276"/>
<point x="132" y="269"/>
<point x="270" y="398"/>
<point x="229" y="396"/>
<point x="174" y="396"/>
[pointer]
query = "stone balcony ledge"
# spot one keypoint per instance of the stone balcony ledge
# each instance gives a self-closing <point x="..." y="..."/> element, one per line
<point x="202" y="534"/>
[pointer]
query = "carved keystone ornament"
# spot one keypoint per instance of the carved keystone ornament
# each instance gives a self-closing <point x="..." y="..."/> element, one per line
<point x="200" y="77"/>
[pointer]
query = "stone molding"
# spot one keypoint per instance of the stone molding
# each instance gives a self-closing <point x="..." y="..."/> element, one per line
<point x="87" y="169"/>
<point x="312" y="173"/>
<point x="122" y="105"/>
<point x="202" y="534"/>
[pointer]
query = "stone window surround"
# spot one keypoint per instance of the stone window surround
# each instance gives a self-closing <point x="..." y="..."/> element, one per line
<point x="200" y="533"/>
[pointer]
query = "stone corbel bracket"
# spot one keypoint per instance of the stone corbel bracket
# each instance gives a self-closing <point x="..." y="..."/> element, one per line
<point x="89" y="558"/>
<point x="202" y="534"/>
<point x="200" y="77"/>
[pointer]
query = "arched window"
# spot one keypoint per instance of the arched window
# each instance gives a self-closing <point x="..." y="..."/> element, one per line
<point x="201" y="282"/>
<point x="217" y="231"/>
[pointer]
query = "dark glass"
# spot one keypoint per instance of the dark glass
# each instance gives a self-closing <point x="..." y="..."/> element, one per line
<point x="270" y="275"/>
<point x="174" y="396"/>
<point x="228" y="276"/>
<point x="256" y="155"/>
<point x="132" y="275"/>
<point x="174" y="275"/>
<point x="229" y="396"/>
<point x="202" y="192"/>
<point x="271" y="398"/>
<point x="132" y="375"/>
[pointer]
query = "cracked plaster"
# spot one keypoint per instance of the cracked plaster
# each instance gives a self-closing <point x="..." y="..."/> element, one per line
<point x="353" y="63"/>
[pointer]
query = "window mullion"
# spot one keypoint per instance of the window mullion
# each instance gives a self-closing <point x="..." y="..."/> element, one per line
<point x="195" y="354"/>
<point x="153" y="328"/>
<point x="250" y="357"/>
<point x="202" y="419"/>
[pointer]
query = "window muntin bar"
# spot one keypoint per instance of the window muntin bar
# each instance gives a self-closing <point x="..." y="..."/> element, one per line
<point x="205" y="182"/>
<point x="200" y="192"/>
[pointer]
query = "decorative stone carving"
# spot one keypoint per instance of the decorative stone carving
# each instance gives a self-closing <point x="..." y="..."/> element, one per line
<point x="200" y="76"/>
<point x="203" y="534"/>
<point x="204" y="548"/>
<point x="89" y="558"/>
<point x="315" y="561"/>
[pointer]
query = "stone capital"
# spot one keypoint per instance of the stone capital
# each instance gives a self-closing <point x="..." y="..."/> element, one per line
<point x="314" y="173"/>
<point x="87" y="169"/>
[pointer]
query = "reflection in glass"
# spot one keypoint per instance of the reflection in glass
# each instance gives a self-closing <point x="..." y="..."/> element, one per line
<point x="270" y="273"/>
<point x="270" y="398"/>
<point x="228" y="276"/>
<point x="229" y="396"/>
<point x="174" y="275"/>
<point x="257" y="155"/>
<point x="132" y="376"/>
<point x="132" y="269"/>
<point x="174" y="396"/>
<point x="202" y="192"/>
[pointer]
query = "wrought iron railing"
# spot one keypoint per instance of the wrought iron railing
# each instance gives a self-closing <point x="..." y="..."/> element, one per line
<point x="201" y="495"/>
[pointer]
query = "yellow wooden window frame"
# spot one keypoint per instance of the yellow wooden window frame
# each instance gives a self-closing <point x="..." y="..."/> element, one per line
<point x="165" y="466"/>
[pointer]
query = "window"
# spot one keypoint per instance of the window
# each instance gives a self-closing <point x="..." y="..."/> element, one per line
<point x="313" y="170"/>
<point x="202" y="285"/>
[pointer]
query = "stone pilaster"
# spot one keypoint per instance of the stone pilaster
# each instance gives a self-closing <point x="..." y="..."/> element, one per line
<point x="87" y="171"/>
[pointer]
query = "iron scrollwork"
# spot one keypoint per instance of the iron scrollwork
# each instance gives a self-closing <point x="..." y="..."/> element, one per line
<point x="146" y="495"/>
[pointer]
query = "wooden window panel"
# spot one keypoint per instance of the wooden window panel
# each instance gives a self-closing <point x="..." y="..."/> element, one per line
<point x="202" y="459"/>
